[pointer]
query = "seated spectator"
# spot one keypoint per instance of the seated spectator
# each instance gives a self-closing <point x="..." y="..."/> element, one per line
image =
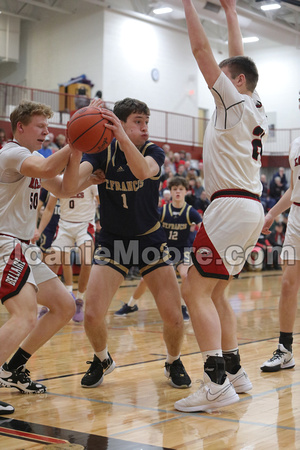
<point x="166" y="197"/>
<point x="276" y="239"/>
<point x="190" y="197"/>
<point x="98" y="94"/>
<point x="166" y="168"/>
<point x="187" y="166"/>
<point x="275" y="192"/>
<point x="60" y="140"/>
<point x="177" y="161"/>
<point x="202" y="203"/>
<point x="2" y="137"/>
<point x="81" y="100"/>
<point x="166" y="148"/>
<point x="283" y="180"/>
<point x="265" y="191"/>
<point x="192" y="173"/>
<point x="167" y="178"/>
<point x="194" y="163"/>
<point x="181" y="172"/>
<point x="46" y="150"/>
<point x="182" y="154"/>
<point x="199" y="188"/>
<point x="52" y="144"/>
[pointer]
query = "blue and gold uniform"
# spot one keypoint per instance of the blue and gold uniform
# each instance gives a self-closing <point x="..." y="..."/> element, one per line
<point x="176" y="223"/>
<point x="131" y="233"/>
<point x="49" y="233"/>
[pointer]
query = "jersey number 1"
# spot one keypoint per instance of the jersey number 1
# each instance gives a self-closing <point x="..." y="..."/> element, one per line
<point x="124" y="198"/>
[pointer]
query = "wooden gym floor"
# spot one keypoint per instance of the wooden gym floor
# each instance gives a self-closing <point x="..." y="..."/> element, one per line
<point x="134" y="407"/>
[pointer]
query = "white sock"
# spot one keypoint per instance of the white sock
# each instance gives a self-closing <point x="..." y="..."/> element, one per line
<point x="102" y="355"/>
<point x="235" y="351"/>
<point x="69" y="289"/>
<point x="170" y="359"/>
<point x="217" y="352"/>
<point x="131" y="301"/>
<point x="80" y="295"/>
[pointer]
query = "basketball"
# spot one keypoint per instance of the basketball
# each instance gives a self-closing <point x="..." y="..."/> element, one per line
<point x="87" y="132"/>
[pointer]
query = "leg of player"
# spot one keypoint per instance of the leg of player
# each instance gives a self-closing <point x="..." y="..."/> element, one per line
<point x="86" y="255"/>
<point x="22" y="309"/>
<point x="103" y="284"/>
<point x="131" y="306"/>
<point x="167" y="297"/>
<point x="67" y="271"/>
<point x="61" y="308"/>
<point x="235" y="372"/>
<point x="207" y="328"/>
<point x="283" y="357"/>
<point x="183" y="270"/>
<point x="53" y="259"/>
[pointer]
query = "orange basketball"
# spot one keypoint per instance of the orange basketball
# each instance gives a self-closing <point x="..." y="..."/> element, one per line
<point x="87" y="132"/>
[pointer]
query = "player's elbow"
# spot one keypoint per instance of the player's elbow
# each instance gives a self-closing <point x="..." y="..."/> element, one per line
<point x="48" y="173"/>
<point x="145" y="174"/>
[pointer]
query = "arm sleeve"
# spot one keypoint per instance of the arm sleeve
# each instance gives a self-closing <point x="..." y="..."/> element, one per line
<point x="156" y="153"/>
<point x="195" y="216"/>
<point x="97" y="160"/>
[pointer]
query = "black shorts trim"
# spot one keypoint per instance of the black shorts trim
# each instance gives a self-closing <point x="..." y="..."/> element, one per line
<point x="218" y="276"/>
<point x="234" y="193"/>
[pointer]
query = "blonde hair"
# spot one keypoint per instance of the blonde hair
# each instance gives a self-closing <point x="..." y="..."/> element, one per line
<point x="26" y="109"/>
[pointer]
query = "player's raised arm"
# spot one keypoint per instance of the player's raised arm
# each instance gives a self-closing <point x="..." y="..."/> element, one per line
<point x="235" y="40"/>
<point x="200" y="45"/>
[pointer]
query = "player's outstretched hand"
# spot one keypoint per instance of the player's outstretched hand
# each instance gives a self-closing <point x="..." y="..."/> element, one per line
<point x="267" y="224"/>
<point x="97" y="103"/>
<point x="97" y="177"/>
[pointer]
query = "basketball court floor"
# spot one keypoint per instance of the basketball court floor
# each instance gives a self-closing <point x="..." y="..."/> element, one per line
<point x="134" y="407"/>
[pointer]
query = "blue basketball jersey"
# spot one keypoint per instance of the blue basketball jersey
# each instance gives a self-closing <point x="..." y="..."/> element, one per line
<point x="128" y="206"/>
<point x="177" y="222"/>
<point x="53" y="223"/>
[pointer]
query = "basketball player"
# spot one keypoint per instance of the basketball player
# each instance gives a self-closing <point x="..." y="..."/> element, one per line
<point x="283" y="357"/>
<point x="46" y="234"/>
<point x="76" y="227"/>
<point x="131" y="234"/>
<point x="233" y="220"/>
<point x="176" y="218"/>
<point x="25" y="280"/>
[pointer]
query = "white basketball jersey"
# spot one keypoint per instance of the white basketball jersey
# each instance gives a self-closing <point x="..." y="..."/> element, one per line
<point x="80" y="207"/>
<point x="294" y="159"/>
<point x="19" y="195"/>
<point x="233" y="140"/>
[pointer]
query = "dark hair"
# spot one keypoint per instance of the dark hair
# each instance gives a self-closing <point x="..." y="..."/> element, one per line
<point x="124" y="108"/>
<point x="178" y="181"/>
<point x="244" y="65"/>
